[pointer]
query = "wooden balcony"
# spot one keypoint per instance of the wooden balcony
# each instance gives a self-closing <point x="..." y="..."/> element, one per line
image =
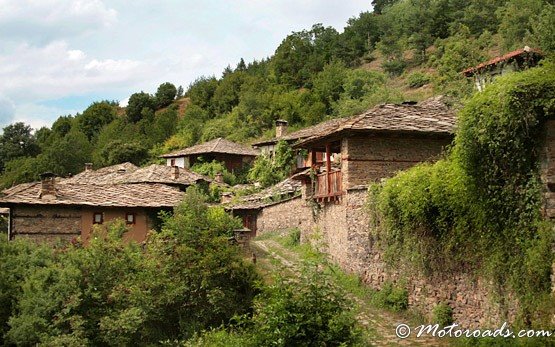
<point x="328" y="186"/>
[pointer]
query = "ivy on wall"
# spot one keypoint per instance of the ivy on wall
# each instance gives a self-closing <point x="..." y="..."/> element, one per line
<point x="478" y="209"/>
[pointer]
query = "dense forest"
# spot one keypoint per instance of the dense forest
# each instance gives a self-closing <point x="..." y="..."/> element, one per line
<point x="402" y="50"/>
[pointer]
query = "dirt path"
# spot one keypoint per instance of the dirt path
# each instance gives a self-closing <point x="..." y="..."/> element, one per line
<point x="379" y="324"/>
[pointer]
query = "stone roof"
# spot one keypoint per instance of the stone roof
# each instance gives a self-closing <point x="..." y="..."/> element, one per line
<point x="219" y="145"/>
<point x="283" y="190"/>
<point x="163" y="174"/>
<point x="108" y="195"/>
<point x="431" y="117"/>
<point x="129" y="173"/>
<point x="525" y="52"/>
<point x="106" y="175"/>
<point x="303" y="133"/>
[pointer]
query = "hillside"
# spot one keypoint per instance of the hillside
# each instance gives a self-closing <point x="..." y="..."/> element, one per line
<point x="403" y="50"/>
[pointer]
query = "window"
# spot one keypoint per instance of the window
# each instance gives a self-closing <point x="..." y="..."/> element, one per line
<point x="172" y="162"/>
<point x="130" y="218"/>
<point x="98" y="218"/>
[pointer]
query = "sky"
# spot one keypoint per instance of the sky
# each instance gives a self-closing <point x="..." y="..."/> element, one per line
<point x="59" y="56"/>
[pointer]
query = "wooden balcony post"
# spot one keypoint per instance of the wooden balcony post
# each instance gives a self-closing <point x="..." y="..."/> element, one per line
<point x="328" y="166"/>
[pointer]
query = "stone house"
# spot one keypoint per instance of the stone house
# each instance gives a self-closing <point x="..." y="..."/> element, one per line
<point x="267" y="147"/>
<point x="234" y="156"/>
<point x="263" y="211"/>
<point x="69" y="207"/>
<point x="517" y="60"/>
<point x="375" y="145"/>
<point x="128" y="173"/>
<point x="52" y="209"/>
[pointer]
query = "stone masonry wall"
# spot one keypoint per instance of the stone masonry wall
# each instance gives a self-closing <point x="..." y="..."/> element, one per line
<point x="372" y="158"/>
<point x="294" y="213"/>
<point x="45" y="223"/>
<point x="344" y="228"/>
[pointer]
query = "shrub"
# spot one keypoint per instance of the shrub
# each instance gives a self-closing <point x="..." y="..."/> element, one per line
<point x="418" y="79"/>
<point x="393" y="297"/>
<point x="442" y="314"/>
<point x="309" y="311"/>
<point x="184" y="279"/>
<point x="212" y="168"/>
<point x="294" y="237"/>
<point x="394" y="67"/>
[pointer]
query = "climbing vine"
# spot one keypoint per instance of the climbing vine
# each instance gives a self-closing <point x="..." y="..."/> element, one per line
<point x="478" y="209"/>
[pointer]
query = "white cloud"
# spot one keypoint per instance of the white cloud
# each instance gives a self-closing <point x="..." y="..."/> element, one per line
<point x="7" y="110"/>
<point x="38" y="116"/>
<point x="54" y="71"/>
<point x="39" y="21"/>
<point x="76" y="54"/>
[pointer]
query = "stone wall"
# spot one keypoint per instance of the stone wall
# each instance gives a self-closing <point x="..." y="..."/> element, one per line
<point x="372" y="158"/>
<point x="342" y="231"/>
<point x="45" y="223"/>
<point x="548" y="170"/>
<point x="293" y="213"/>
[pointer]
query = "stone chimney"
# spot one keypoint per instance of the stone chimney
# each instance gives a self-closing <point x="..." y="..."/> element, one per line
<point x="47" y="186"/>
<point x="88" y="166"/>
<point x="281" y="128"/>
<point x="226" y="197"/>
<point x="175" y="172"/>
<point x="219" y="178"/>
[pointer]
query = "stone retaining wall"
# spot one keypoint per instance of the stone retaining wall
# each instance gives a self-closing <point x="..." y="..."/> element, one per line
<point x="342" y="231"/>
<point x="294" y="213"/>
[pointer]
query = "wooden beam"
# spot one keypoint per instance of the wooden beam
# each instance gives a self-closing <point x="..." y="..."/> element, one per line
<point x="328" y="166"/>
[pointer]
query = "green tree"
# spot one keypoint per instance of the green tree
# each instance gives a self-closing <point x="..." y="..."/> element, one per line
<point x="138" y="102"/>
<point x="328" y="84"/>
<point x="202" y="90"/>
<point x="17" y="141"/>
<point x="516" y="18"/>
<point x="165" y="95"/>
<point x="95" y="117"/>
<point x="379" y="5"/>
<point x="18" y="259"/>
<point x="268" y="171"/>
<point x="542" y="32"/>
<point x="117" y="151"/>
<point x="308" y="311"/>
<point x="62" y="125"/>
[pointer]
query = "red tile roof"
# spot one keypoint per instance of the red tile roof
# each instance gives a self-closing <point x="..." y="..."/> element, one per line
<point x="523" y="51"/>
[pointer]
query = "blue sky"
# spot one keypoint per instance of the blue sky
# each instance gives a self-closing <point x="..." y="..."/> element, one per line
<point x="58" y="56"/>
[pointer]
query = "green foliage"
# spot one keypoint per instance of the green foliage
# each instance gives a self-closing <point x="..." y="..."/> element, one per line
<point x="542" y="32"/>
<point x="418" y="79"/>
<point x="95" y="117"/>
<point x="17" y="141"/>
<point x="479" y="208"/>
<point x="394" y="67"/>
<point x="184" y="279"/>
<point x="165" y="94"/>
<point x="138" y="105"/>
<point x="18" y="259"/>
<point x="310" y="311"/>
<point x="269" y="171"/>
<point x="117" y="151"/>
<point x="393" y="297"/>
<point x="293" y="237"/>
<point x="202" y="90"/>
<point x="516" y="18"/>
<point x="212" y="168"/>
<point x="442" y="314"/>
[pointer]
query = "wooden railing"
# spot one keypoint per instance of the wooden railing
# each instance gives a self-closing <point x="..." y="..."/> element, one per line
<point x="328" y="186"/>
